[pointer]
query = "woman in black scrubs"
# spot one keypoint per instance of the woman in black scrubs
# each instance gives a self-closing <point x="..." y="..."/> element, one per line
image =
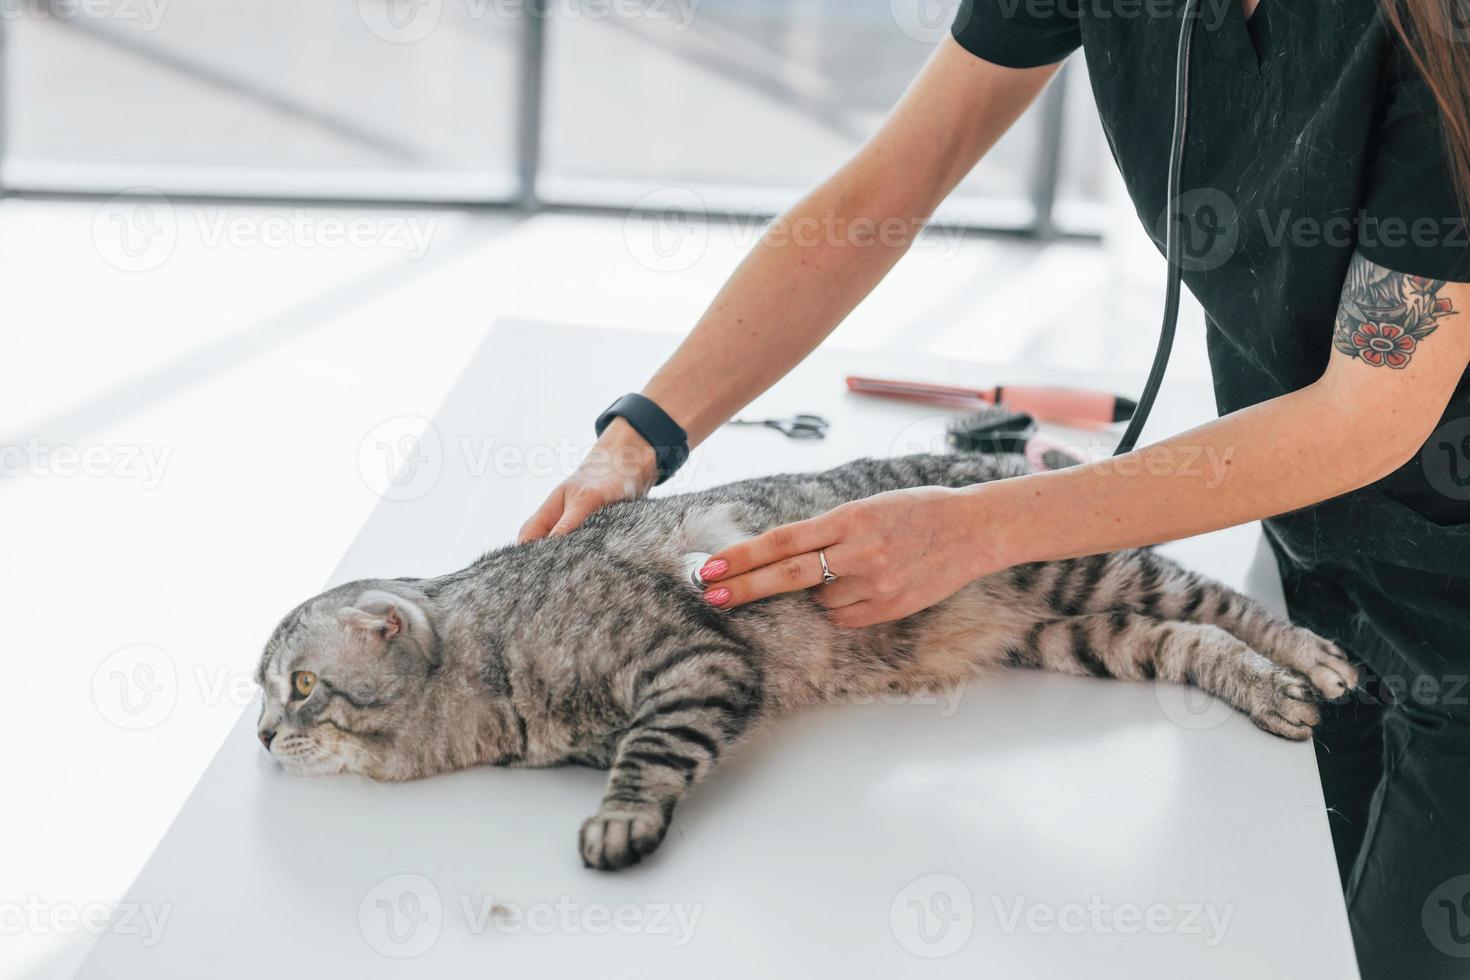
<point x="1325" y="192"/>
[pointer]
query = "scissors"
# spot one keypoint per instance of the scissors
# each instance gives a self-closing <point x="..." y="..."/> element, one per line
<point x="802" y="426"/>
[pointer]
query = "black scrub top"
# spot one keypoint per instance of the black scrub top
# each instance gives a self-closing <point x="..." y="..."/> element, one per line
<point x="1310" y="136"/>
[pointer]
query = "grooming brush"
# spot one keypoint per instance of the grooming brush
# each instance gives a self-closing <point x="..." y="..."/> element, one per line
<point x="995" y="429"/>
<point x="998" y="429"/>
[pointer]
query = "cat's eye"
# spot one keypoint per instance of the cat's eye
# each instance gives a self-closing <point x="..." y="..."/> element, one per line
<point x="303" y="682"/>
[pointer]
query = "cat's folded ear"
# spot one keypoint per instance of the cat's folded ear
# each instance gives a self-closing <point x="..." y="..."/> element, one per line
<point x="397" y="621"/>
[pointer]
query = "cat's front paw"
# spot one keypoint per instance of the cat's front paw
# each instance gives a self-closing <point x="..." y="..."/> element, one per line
<point x="1327" y="667"/>
<point x="1282" y="704"/>
<point x="615" y="838"/>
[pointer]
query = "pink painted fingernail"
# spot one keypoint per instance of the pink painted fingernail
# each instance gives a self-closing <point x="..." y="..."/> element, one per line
<point x="713" y="569"/>
<point x="717" y="597"/>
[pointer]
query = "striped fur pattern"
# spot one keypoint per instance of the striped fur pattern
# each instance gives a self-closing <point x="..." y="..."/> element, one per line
<point x="594" y="649"/>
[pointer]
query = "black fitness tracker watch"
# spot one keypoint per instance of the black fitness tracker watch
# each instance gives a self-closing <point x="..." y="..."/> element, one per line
<point x="669" y="440"/>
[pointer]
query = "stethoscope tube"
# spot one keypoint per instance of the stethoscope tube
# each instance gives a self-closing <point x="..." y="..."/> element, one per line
<point x="1173" y="245"/>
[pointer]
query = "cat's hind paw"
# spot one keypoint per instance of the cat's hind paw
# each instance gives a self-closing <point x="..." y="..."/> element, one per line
<point x="615" y="839"/>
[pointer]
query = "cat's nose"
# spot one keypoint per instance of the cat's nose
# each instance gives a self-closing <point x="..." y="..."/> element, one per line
<point x="267" y="736"/>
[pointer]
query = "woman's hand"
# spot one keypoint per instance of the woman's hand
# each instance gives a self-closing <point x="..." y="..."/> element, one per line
<point x="893" y="554"/>
<point x="620" y="465"/>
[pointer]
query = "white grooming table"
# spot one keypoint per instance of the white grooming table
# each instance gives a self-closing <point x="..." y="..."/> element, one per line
<point x="1029" y="826"/>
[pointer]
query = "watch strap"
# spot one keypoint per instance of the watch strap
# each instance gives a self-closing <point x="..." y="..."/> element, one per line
<point x="669" y="440"/>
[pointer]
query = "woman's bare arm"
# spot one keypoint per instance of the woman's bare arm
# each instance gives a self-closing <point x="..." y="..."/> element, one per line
<point x="812" y="267"/>
<point x="818" y="261"/>
<point x="1363" y="419"/>
<point x="1372" y="410"/>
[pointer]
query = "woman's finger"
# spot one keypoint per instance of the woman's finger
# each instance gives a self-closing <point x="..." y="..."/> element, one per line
<point x="784" y="575"/>
<point x="849" y="587"/>
<point x="843" y="592"/>
<point x="576" y="509"/>
<point x="545" y="517"/>
<point x="775" y="545"/>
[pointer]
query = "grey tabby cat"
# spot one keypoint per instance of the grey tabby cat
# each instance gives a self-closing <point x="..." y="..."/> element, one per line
<point x="596" y="649"/>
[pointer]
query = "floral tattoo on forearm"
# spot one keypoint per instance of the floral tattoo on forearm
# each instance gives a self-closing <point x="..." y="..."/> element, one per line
<point x="1384" y="315"/>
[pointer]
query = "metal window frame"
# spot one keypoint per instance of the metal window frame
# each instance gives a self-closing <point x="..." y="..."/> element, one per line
<point x="529" y="190"/>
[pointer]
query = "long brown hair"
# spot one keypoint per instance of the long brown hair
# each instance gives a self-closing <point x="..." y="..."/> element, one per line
<point x="1436" y="35"/>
